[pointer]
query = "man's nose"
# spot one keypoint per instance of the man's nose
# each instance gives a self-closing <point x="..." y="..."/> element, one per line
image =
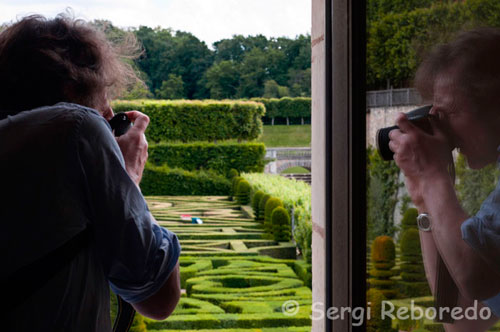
<point x="108" y="113"/>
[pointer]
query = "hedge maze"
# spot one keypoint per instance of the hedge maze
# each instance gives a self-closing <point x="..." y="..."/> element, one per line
<point x="232" y="278"/>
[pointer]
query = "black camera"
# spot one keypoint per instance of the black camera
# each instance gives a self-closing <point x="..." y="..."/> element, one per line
<point x="120" y="124"/>
<point x="418" y="117"/>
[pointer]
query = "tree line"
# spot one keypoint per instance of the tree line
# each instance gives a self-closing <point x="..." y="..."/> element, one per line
<point x="177" y="65"/>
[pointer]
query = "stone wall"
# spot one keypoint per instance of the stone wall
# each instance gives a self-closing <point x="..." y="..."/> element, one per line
<point x="380" y="117"/>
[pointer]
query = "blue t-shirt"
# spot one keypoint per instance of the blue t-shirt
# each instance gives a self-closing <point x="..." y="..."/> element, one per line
<point x="482" y="232"/>
<point x="62" y="171"/>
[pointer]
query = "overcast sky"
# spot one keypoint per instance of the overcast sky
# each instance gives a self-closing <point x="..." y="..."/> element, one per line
<point x="209" y="20"/>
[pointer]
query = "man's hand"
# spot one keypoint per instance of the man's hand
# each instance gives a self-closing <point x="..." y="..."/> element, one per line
<point x="422" y="157"/>
<point x="134" y="146"/>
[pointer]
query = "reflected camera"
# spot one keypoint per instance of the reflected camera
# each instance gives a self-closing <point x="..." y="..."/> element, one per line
<point x="419" y="117"/>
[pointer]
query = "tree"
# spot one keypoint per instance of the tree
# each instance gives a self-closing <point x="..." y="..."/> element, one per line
<point x="137" y="91"/>
<point x="173" y="88"/>
<point x="274" y="90"/>
<point x="222" y="80"/>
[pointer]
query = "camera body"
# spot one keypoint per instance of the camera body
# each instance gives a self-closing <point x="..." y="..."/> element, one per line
<point x="120" y="124"/>
<point x="419" y="117"/>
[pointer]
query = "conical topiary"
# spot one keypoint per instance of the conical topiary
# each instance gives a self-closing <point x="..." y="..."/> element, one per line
<point x="235" y="181"/>
<point x="232" y="173"/>
<point x="377" y="321"/>
<point x="383" y="256"/>
<point x="409" y="219"/>
<point x="262" y="206"/>
<point x="282" y="230"/>
<point x="413" y="280"/>
<point x="255" y="203"/>
<point x="243" y="192"/>
<point x="271" y="204"/>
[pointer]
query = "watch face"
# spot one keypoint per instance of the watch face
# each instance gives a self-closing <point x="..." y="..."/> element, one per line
<point x="424" y="222"/>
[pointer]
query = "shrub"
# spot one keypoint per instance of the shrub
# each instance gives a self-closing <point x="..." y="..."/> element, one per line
<point x="232" y="173"/>
<point x="162" y="180"/>
<point x="221" y="157"/>
<point x="302" y="233"/>
<point x="271" y="204"/>
<point x="262" y="205"/>
<point x="243" y="192"/>
<point x="409" y="219"/>
<point x="413" y="281"/>
<point x="383" y="254"/>
<point x="381" y="196"/>
<point x="286" y="107"/>
<point x="376" y="324"/>
<point x="195" y="120"/>
<point x="255" y="204"/>
<point x="296" y="197"/>
<point x="281" y="224"/>
<point x="234" y="184"/>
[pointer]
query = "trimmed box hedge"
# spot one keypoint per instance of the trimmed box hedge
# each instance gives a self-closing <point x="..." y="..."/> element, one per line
<point x="162" y="180"/>
<point x="221" y="157"/>
<point x="286" y="107"/>
<point x="196" y="120"/>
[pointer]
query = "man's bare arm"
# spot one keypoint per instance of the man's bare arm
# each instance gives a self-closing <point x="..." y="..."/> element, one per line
<point x="430" y="256"/>
<point x="160" y="305"/>
<point x="472" y="274"/>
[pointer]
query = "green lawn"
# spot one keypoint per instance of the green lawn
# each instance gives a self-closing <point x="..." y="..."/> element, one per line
<point x="283" y="136"/>
<point x="296" y="170"/>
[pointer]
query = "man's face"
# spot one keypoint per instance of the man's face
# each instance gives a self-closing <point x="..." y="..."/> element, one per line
<point x="104" y="108"/>
<point x="474" y="132"/>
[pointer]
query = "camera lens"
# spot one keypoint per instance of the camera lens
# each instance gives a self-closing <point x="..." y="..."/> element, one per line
<point x="383" y="143"/>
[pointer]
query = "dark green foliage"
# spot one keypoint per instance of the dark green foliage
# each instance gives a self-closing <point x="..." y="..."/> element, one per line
<point x="262" y="206"/>
<point x="413" y="281"/>
<point x="234" y="184"/>
<point x="281" y="226"/>
<point x="178" y="53"/>
<point x="162" y="180"/>
<point x="271" y="204"/>
<point x="409" y="219"/>
<point x="221" y="157"/>
<point x="243" y="192"/>
<point x="232" y="173"/>
<point x="474" y="185"/>
<point x="187" y="121"/>
<point x="172" y="88"/>
<point x="376" y="324"/>
<point x="222" y="80"/>
<point x="381" y="199"/>
<point x="255" y="204"/>
<point x="399" y="37"/>
<point x="303" y="237"/>
<point x="383" y="254"/>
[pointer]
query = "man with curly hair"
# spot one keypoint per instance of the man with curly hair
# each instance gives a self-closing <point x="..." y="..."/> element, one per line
<point x="64" y="173"/>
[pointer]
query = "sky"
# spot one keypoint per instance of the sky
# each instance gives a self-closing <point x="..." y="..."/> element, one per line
<point x="209" y="20"/>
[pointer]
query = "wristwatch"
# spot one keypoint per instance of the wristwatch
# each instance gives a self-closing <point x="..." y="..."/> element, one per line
<point x="424" y="222"/>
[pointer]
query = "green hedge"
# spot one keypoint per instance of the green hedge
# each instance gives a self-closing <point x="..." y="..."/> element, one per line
<point x="195" y="120"/>
<point x="222" y="157"/>
<point x="162" y="180"/>
<point x="243" y="192"/>
<point x="281" y="226"/>
<point x="286" y="107"/>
